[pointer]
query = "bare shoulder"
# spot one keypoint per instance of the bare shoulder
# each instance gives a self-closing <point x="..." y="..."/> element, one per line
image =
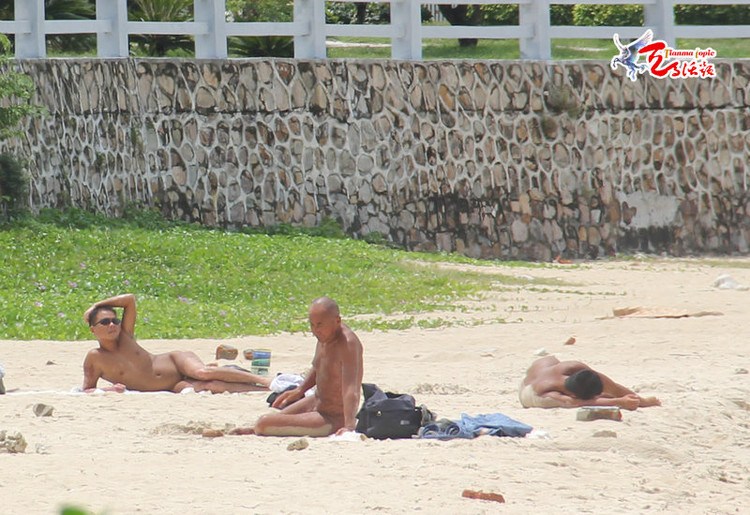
<point x="541" y="364"/>
<point x="93" y="356"/>
<point x="352" y="340"/>
<point x="571" y="367"/>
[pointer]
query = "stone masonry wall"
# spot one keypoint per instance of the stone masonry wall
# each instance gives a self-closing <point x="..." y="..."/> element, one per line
<point x="496" y="159"/>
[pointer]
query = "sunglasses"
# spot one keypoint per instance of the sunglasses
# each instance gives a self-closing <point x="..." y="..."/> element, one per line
<point x="106" y="321"/>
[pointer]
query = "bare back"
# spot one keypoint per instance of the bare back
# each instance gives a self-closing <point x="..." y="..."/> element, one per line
<point x="548" y="374"/>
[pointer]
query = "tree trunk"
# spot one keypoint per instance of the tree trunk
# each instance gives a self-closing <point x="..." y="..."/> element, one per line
<point x="462" y="15"/>
<point x="361" y="12"/>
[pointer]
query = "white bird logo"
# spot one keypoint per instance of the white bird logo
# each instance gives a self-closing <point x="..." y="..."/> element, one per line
<point x="628" y="57"/>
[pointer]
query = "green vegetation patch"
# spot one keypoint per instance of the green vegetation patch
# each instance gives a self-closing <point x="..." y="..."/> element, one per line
<point x="191" y="282"/>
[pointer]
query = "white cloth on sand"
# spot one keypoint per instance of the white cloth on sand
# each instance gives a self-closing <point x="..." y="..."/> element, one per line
<point x="281" y="382"/>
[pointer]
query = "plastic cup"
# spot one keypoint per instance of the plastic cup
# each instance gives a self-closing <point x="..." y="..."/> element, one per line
<point x="261" y="362"/>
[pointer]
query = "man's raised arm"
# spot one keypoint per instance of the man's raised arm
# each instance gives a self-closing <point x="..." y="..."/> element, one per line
<point x="125" y="301"/>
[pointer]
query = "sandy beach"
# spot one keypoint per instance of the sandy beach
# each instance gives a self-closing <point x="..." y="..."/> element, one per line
<point x="143" y="453"/>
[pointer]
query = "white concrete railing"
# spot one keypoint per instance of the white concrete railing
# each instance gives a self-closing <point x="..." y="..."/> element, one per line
<point x="310" y="31"/>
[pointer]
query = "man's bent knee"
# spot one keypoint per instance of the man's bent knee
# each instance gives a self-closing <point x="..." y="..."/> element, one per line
<point x="203" y="374"/>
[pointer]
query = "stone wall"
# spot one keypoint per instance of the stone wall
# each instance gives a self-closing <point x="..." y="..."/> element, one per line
<point x="497" y="159"/>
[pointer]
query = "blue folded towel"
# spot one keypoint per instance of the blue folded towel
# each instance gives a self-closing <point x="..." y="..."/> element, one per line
<point x="495" y="424"/>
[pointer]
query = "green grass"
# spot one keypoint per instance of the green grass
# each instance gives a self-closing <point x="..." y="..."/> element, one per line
<point x="488" y="49"/>
<point x="193" y="282"/>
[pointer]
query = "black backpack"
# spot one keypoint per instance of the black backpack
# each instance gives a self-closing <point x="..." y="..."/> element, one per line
<point x="387" y="415"/>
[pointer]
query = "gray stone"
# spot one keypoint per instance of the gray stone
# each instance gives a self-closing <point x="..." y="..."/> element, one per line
<point x="42" y="410"/>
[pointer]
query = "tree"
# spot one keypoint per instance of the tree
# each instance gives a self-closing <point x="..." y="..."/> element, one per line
<point x="462" y="15"/>
<point x="260" y="11"/>
<point x="161" y="10"/>
<point x="16" y="90"/>
<point x="62" y="10"/>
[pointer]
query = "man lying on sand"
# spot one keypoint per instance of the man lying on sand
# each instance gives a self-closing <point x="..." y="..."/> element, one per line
<point x="337" y="374"/>
<point x="121" y="361"/>
<point x="551" y="383"/>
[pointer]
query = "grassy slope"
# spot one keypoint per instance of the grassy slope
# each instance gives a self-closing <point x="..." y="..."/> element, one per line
<point x="192" y="282"/>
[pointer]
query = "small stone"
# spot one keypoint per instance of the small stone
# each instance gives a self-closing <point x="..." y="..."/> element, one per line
<point x="212" y="433"/>
<point x="298" y="445"/>
<point x="740" y="371"/>
<point x="225" y="351"/>
<point x="570" y="341"/>
<point x="604" y="434"/>
<point x="12" y="443"/>
<point x="43" y="410"/>
<point x="484" y="496"/>
<point x="541" y="352"/>
<point x="50" y="362"/>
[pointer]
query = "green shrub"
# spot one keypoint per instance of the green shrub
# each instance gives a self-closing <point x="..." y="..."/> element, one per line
<point x="561" y="14"/>
<point x="613" y="15"/>
<point x="712" y="14"/>
<point x="14" y="187"/>
<point x="16" y="90"/>
<point x="261" y="46"/>
<point x="499" y="14"/>
<point x="260" y="10"/>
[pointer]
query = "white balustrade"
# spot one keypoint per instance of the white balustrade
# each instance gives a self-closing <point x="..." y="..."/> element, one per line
<point x="310" y="30"/>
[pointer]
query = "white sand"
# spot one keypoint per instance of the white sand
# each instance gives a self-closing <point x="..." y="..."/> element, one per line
<point x="134" y="453"/>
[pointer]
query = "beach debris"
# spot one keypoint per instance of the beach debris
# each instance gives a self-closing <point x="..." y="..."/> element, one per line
<point x="483" y="496"/>
<point x="653" y="312"/>
<point x="349" y="436"/>
<point x="42" y="410"/>
<point x="12" y="443"/>
<point x="225" y="351"/>
<point x="539" y="434"/>
<point x="740" y="371"/>
<point x="192" y="427"/>
<point x="561" y="260"/>
<point x="570" y="341"/>
<point x="541" y="352"/>
<point x="727" y="282"/>
<point x="298" y="445"/>
<point x="212" y="433"/>
<point x="50" y="362"/>
<point x="588" y="413"/>
<point x="439" y="389"/>
<point x="604" y="434"/>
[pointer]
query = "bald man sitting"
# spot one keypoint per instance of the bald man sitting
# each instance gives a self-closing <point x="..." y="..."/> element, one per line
<point x="337" y="375"/>
<point x="551" y="383"/>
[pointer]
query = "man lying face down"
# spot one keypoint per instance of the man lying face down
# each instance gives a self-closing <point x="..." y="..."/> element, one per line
<point x="551" y="383"/>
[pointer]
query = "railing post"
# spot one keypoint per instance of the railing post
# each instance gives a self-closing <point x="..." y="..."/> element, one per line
<point x="535" y="14"/>
<point x="115" y="42"/>
<point x="212" y="44"/>
<point x="660" y="16"/>
<point x="30" y="44"/>
<point x="406" y="22"/>
<point x="311" y="45"/>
